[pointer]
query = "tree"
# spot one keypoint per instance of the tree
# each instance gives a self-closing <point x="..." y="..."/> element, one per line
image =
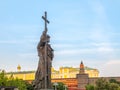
<point x="113" y="86"/>
<point x="102" y="84"/>
<point x="20" y="84"/>
<point x="89" y="87"/>
<point x="114" y="81"/>
<point x="29" y="86"/>
<point x="4" y="81"/>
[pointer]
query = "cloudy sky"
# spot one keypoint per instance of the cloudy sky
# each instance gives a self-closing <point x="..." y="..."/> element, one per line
<point x="87" y="30"/>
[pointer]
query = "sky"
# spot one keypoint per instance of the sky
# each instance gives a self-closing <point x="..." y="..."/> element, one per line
<point x="80" y="30"/>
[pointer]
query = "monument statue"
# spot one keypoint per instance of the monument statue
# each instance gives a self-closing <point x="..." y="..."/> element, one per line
<point x="45" y="53"/>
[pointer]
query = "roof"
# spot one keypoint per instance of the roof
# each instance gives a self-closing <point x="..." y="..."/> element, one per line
<point x="88" y="68"/>
<point x="21" y="72"/>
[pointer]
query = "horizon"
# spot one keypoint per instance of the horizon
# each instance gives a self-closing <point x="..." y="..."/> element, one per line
<point x="85" y="31"/>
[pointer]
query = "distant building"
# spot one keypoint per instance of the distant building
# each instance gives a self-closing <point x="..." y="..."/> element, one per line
<point x="74" y="78"/>
<point x="70" y="72"/>
<point x="83" y="78"/>
<point x="63" y="72"/>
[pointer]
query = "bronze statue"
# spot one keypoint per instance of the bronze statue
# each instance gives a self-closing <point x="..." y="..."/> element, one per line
<point x="45" y="53"/>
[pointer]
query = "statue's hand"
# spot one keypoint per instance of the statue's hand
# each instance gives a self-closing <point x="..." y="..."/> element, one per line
<point x="46" y="30"/>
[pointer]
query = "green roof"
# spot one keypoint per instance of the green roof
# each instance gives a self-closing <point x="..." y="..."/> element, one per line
<point x="88" y="68"/>
<point x="21" y="72"/>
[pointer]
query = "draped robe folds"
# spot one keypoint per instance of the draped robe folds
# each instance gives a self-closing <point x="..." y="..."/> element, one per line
<point x="42" y="70"/>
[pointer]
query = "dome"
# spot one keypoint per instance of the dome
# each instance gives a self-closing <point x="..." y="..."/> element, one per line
<point x="18" y="67"/>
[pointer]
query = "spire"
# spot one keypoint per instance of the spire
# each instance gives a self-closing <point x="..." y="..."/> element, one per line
<point x="81" y="68"/>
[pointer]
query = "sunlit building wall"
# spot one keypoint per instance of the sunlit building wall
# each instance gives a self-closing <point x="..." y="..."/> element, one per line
<point x="63" y="72"/>
<point x="70" y="72"/>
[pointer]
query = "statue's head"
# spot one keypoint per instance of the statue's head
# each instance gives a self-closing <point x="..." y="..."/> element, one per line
<point x="48" y="38"/>
<point x="44" y="32"/>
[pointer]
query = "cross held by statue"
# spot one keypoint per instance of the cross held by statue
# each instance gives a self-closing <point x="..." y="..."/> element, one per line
<point x="45" y="19"/>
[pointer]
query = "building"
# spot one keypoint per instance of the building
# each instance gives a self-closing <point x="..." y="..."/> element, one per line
<point x="67" y="75"/>
<point x="63" y="72"/>
<point x="74" y="78"/>
<point x="71" y="72"/>
<point x="82" y="77"/>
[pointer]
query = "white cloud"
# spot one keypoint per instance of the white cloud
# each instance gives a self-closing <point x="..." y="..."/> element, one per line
<point x="110" y="68"/>
<point x="78" y="51"/>
<point x="105" y="49"/>
<point x="74" y="51"/>
<point x="62" y="45"/>
<point x="20" y="41"/>
<point x="101" y="44"/>
<point x="10" y="42"/>
<point x="27" y="55"/>
<point x="99" y="34"/>
<point x="113" y="62"/>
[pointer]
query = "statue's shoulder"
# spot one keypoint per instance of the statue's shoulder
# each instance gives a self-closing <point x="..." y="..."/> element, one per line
<point x="50" y="48"/>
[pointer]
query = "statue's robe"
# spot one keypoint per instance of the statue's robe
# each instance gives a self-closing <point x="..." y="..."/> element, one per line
<point x="44" y="52"/>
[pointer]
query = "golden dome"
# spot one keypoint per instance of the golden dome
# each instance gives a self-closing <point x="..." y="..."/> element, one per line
<point x="18" y="67"/>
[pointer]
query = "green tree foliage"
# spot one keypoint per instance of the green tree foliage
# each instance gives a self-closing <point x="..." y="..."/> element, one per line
<point x="118" y="88"/>
<point x="29" y="86"/>
<point x="114" y="81"/>
<point x="102" y="84"/>
<point x="20" y="84"/>
<point x="3" y="79"/>
<point x="113" y="86"/>
<point x="90" y="87"/>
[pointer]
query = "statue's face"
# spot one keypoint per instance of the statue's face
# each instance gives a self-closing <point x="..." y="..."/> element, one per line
<point x="48" y="39"/>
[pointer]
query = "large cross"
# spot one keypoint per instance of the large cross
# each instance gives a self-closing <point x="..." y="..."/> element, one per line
<point x="45" y="19"/>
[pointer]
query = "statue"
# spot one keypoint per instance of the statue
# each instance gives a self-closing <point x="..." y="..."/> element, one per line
<point x="45" y="53"/>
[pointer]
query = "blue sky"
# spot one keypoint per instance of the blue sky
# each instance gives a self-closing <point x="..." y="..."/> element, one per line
<point x="86" y="30"/>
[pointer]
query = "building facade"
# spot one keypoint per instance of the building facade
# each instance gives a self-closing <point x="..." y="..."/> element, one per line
<point x="71" y="72"/>
<point x="74" y="78"/>
<point x="63" y="72"/>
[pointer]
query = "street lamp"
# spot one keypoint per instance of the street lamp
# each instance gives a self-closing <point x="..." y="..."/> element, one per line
<point x="65" y="87"/>
<point x="55" y="84"/>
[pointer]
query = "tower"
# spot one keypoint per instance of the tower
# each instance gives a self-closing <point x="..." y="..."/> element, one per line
<point x="82" y="77"/>
<point x="82" y="71"/>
